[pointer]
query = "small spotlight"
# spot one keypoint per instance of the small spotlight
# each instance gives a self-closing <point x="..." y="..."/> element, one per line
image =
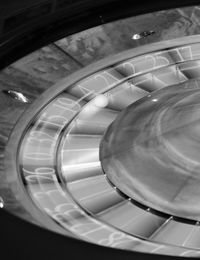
<point x="1" y="203"/>
<point x="16" y="95"/>
<point x="100" y="101"/>
<point x="138" y="36"/>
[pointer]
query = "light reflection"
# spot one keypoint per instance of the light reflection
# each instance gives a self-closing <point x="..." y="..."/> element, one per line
<point x="101" y="101"/>
<point x="138" y="36"/>
<point x="1" y="202"/>
<point x="80" y="166"/>
<point x="16" y="95"/>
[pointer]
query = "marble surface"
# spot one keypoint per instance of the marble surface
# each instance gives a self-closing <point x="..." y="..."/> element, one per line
<point x="31" y="75"/>
<point x="112" y="38"/>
